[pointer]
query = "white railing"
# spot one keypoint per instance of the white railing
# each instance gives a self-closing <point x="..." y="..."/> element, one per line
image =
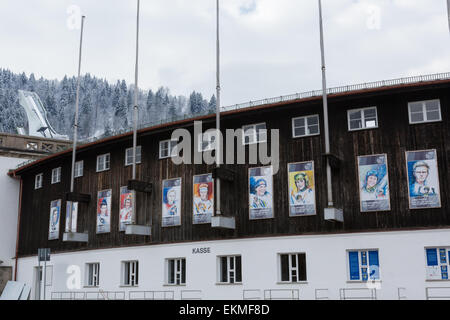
<point x="437" y="293"/>
<point x="151" y="295"/>
<point x="191" y="295"/>
<point x="251" y="294"/>
<point x="358" y="294"/>
<point x="282" y="294"/>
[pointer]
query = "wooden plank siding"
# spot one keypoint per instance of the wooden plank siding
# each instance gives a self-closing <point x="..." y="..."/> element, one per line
<point x="393" y="136"/>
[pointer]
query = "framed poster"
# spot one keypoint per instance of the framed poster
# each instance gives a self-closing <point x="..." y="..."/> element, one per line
<point x="71" y="208"/>
<point x="55" y="214"/>
<point x="373" y="180"/>
<point x="423" y="179"/>
<point x="302" y="196"/>
<point x="126" y="208"/>
<point x="171" y="202"/>
<point x="104" y="211"/>
<point x="203" y="199"/>
<point x="260" y="193"/>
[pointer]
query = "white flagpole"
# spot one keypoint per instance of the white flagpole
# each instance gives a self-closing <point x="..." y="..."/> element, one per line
<point x="75" y="132"/>
<point x="218" y="145"/>
<point x="448" y="12"/>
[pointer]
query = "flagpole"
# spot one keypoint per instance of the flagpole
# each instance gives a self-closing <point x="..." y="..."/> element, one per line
<point x="218" y="145"/>
<point x="448" y="12"/>
<point x="75" y="133"/>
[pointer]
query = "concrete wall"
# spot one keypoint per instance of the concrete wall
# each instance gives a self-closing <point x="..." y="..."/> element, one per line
<point x="401" y="256"/>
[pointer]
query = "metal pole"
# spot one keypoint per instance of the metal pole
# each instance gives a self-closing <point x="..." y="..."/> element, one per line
<point x="448" y="12"/>
<point x="135" y="114"/>
<point x="40" y="277"/>
<point x="218" y="146"/>
<point x="45" y="272"/>
<point x="325" y="109"/>
<point x="75" y="126"/>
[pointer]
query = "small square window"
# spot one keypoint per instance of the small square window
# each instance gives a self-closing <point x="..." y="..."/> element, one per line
<point x="363" y="265"/>
<point x="292" y="267"/>
<point x="79" y="169"/>
<point x="38" y="181"/>
<point x="305" y="126"/>
<point x="207" y="141"/>
<point x="176" y="271"/>
<point x="167" y="148"/>
<point x="254" y="133"/>
<point x="56" y="175"/>
<point x="103" y="162"/>
<point x="230" y="269"/>
<point x="92" y="274"/>
<point x="359" y="119"/>
<point x="130" y="273"/>
<point x="424" y="111"/>
<point x="129" y="156"/>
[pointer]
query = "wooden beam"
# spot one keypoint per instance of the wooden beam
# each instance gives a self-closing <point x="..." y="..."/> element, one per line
<point x="140" y="186"/>
<point x="78" y="197"/>
<point x="223" y="174"/>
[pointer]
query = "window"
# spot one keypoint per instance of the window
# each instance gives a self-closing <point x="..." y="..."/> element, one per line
<point x="176" y="271"/>
<point x="437" y="263"/>
<point x="293" y="267"/>
<point x="103" y="162"/>
<point x="206" y="141"/>
<point x="129" y="156"/>
<point x="254" y="133"/>
<point x="130" y="273"/>
<point x="363" y="265"/>
<point x="79" y="168"/>
<point x="230" y="269"/>
<point x="56" y="175"/>
<point x="424" y="111"/>
<point x="359" y="119"/>
<point x="167" y="148"/>
<point x="305" y="126"/>
<point x="92" y="274"/>
<point x="38" y="181"/>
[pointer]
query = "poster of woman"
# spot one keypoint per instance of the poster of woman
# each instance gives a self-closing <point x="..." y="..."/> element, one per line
<point x="373" y="183"/>
<point x="55" y="213"/>
<point x="126" y="208"/>
<point x="423" y="179"/>
<point x="71" y="208"/>
<point x="302" y="198"/>
<point x="171" y="202"/>
<point x="104" y="211"/>
<point x="260" y="193"/>
<point x="203" y="205"/>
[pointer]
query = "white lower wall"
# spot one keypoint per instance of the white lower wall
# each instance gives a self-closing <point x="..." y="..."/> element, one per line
<point x="401" y="256"/>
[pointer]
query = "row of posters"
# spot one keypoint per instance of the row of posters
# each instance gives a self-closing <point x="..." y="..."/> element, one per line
<point x="374" y="195"/>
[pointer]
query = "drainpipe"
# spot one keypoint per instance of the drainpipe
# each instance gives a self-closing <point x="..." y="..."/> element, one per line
<point x="18" y="231"/>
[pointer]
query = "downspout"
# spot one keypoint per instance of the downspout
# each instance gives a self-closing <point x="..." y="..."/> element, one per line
<point x="18" y="230"/>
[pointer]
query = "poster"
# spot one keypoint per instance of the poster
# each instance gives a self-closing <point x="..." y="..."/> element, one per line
<point x="71" y="207"/>
<point x="373" y="179"/>
<point x="55" y="214"/>
<point x="423" y="179"/>
<point x="302" y="197"/>
<point x="171" y="202"/>
<point x="260" y="193"/>
<point x="203" y="202"/>
<point x="126" y="208"/>
<point x="104" y="211"/>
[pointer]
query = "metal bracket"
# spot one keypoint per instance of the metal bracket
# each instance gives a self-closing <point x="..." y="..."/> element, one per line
<point x="140" y="186"/>
<point x="78" y="197"/>
<point x="335" y="161"/>
<point x="223" y="174"/>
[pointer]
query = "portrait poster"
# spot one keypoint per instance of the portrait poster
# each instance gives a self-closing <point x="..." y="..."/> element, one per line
<point x="171" y="203"/>
<point x="260" y="193"/>
<point x="55" y="215"/>
<point x="71" y="208"/>
<point x="203" y="201"/>
<point x="126" y="208"/>
<point x="373" y="179"/>
<point x="423" y="179"/>
<point x="104" y="211"/>
<point x="302" y="196"/>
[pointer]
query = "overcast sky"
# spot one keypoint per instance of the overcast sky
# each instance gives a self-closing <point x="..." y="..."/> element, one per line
<point x="268" y="47"/>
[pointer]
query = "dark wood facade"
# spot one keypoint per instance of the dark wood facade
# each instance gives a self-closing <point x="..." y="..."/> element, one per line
<point x="393" y="137"/>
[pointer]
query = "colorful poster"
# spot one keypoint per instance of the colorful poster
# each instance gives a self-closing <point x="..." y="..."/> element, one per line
<point x="373" y="183"/>
<point x="302" y="197"/>
<point x="423" y="179"/>
<point x="203" y="205"/>
<point x="171" y="202"/>
<point x="126" y="208"/>
<point x="104" y="211"/>
<point x="71" y="207"/>
<point x="260" y="193"/>
<point x="55" y="214"/>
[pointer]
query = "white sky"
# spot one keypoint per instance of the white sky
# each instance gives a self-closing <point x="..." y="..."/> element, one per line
<point x="269" y="47"/>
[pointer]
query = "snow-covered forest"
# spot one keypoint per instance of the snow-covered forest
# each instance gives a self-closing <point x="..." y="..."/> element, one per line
<point x="105" y="109"/>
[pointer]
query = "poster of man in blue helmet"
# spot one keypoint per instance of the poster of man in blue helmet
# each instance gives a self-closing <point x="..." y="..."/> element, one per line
<point x="104" y="211"/>
<point x="373" y="183"/>
<point x="260" y="193"/>
<point x="171" y="202"/>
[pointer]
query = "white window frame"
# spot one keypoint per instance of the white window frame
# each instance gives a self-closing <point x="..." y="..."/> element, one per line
<point x="171" y="150"/>
<point x="38" y="181"/>
<point x="363" y="120"/>
<point x="424" y="111"/>
<point x="138" y="156"/>
<point x="254" y="133"/>
<point x="440" y="264"/>
<point x="130" y="279"/>
<point x="307" y="133"/>
<point x="56" y="175"/>
<point x="231" y="277"/>
<point x="292" y="269"/>
<point x="104" y="162"/>
<point x="92" y="279"/>
<point x="178" y="274"/>
<point x="360" y="266"/>
<point x="79" y="169"/>
<point x="207" y="137"/>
